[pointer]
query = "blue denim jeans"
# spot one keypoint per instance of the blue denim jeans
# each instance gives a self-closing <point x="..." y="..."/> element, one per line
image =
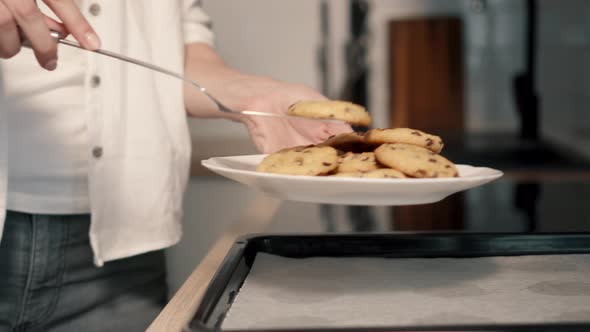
<point x="48" y="281"/>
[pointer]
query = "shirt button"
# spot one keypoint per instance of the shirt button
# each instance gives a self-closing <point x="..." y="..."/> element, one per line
<point x="97" y="152"/>
<point x="94" y="9"/>
<point x="95" y="81"/>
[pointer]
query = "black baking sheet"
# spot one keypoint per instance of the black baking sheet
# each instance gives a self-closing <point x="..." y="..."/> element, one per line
<point x="235" y="268"/>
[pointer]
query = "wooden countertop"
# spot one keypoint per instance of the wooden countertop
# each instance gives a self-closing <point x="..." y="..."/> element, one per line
<point x="178" y="312"/>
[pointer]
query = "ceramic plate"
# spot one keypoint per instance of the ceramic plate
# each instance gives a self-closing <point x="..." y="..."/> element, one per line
<point x="348" y="191"/>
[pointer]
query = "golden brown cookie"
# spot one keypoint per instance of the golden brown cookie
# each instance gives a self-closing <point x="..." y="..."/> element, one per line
<point x="405" y="135"/>
<point x="415" y="161"/>
<point x="332" y="109"/>
<point x="385" y="173"/>
<point x="303" y="160"/>
<point x="357" y="162"/>
<point x="382" y="173"/>
<point x="348" y="175"/>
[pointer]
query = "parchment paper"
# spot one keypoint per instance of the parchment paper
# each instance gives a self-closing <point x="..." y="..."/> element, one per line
<point x="350" y="292"/>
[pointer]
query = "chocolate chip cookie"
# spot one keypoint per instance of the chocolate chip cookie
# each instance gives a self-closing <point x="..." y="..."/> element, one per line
<point x="415" y="161"/>
<point x="405" y="135"/>
<point x="382" y="173"/>
<point x="303" y="160"/>
<point x="357" y="162"/>
<point x="332" y="109"/>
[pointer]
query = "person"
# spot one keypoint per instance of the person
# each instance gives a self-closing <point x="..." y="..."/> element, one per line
<point x="95" y="154"/>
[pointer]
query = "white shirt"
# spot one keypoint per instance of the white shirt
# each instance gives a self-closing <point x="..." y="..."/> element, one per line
<point x="48" y="139"/>
<point x="134" y="128"/>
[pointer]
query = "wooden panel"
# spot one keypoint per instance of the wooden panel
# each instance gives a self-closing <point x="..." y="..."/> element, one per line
<point x="426" y="73"/>
<point x="426" y="84"/>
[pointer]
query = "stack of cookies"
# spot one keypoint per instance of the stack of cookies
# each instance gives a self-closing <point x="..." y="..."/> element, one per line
<point x="380" y="153"/>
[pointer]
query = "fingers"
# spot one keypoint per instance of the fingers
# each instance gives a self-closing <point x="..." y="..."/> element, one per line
<point x="56" y="26"/>
<point x="32" y="22"/>
<point x="9" y="39"/>
<point x="336" y="129"/>
<point x="74" y="22"/>
<point x="35" y="26"/>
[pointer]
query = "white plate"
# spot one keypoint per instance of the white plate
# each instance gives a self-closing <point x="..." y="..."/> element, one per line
<point x="348" y="191"/>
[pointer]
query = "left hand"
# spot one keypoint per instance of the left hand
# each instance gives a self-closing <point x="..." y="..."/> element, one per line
<point x="272" y="134"/>
<point x="255" y="93"/>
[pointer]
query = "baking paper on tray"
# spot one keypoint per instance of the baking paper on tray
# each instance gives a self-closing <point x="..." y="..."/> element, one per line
<point x="350" y="292"/>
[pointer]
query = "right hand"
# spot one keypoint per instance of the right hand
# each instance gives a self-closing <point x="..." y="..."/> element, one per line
<point x="35" y="26"/>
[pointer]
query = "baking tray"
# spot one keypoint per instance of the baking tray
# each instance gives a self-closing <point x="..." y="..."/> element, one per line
<point x="234" y="270"/>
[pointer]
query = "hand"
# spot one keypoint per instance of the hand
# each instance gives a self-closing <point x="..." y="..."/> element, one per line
<point x="35" y="26"/>
<point x="272" y="134"/>
<point x="244" y="92"/>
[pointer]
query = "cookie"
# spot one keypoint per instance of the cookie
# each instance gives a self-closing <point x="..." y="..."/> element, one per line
<point x="385" y="173"/>
<point x="303" y="160"/>
<point x="349" y="142"/>
<point x="348" y="175"/>
<point x="332" y="109"/>
<point x="415" y="161"/>
<point x="357" y="162"/>
<point x="382" y="173"/>
<point x="405" y="135"/>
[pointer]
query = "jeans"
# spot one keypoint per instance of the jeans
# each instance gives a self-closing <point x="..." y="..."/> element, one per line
<point x="48" y="281"/>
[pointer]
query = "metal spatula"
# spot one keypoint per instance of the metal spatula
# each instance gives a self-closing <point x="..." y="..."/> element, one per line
<point x="220" y="105"/>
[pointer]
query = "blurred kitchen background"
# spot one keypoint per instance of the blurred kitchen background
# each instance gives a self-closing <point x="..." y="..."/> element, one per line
<point x="506" y="83"/>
